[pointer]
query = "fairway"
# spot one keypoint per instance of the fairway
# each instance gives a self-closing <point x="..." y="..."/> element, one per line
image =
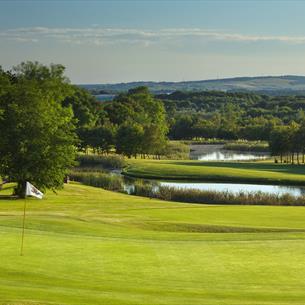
<point x="90" y="246"/>
<point x="249" y="172"/>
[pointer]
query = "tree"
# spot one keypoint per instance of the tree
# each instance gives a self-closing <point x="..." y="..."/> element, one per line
<point x="182" y="128"/>
<point x="280" y="141"/>
<point x="144" y="117"/>
<point x="299" y="140"/>
<point x="87" y="112"/>
<point x="294" y="143"/>
<point x="229" y="122"/>
<point x="37" y="132"/>
<point x="204" y="129"/>
<point x="129" y="139"/>
<point x="85" y="107"/>
<point x="101" y="138"/>
<point x="258" y="128"/>
<point x="154" y="140"/>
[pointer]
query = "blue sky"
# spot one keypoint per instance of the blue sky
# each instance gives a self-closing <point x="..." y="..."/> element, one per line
<point x="119" y="41"/>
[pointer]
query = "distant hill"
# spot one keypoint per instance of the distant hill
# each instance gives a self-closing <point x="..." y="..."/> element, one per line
<point x="273" y="85"/>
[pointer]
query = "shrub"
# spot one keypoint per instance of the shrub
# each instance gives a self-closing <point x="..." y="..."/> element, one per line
<point x="109" y="161"/>
<point x="99" y="179"/>
<point x="176" y="150"/>
<point x="143" y="189"/>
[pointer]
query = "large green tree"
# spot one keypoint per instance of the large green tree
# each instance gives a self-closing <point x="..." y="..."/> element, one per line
<point x="100" y="138"/>
<point x="37" y="131"/>
<point x="141" y="122"/>
<point x="129" y="139"/>
<point x="87" y="112"/>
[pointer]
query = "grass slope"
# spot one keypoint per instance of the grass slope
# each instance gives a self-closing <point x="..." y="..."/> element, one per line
<point x="251" y="172"/>
<point x="91" y="246"/>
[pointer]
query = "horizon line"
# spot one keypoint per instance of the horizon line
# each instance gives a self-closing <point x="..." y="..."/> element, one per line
<point x="195" y="80"/>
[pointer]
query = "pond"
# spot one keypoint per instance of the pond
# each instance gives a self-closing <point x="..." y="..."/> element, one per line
<point x="234" y="188"/>
<point x="209" y="152"/>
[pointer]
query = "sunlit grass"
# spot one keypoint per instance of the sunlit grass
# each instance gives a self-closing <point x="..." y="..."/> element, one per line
<point x="91" y="246"/>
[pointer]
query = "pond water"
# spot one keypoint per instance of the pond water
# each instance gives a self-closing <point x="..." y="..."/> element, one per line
<point x="237" y="187"/>
<point x="207" y="152"/>
<point x="234" y="188"/>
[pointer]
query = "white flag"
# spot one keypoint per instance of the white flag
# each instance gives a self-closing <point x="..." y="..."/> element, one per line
<point x="31" y="190"/>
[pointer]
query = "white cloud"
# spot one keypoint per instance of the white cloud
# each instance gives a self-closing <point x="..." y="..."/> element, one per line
<point x="108" y="36"/>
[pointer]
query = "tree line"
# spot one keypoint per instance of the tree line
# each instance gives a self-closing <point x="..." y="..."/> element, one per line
<point x="44" y="121"/>
<point x="214" y="114"/>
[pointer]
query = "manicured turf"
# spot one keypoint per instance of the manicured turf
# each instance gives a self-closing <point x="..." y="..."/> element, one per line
<point x="89" y="246"/>
<point x="251" y="172"/>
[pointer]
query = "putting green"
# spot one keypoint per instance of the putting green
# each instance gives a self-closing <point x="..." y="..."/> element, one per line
<point x="90" y="246"/>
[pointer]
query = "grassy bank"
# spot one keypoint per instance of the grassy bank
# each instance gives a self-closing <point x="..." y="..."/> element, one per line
<point x="90" y="246"/>
<point x="248" y="172"/>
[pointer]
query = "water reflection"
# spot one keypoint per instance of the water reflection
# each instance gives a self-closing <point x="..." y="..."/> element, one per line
<point x="238" y="187"/>
<point x="217" y="153"/>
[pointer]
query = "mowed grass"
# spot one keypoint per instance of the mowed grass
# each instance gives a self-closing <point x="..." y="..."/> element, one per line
<point x="251" y="172"/>
<point x="90" y="246"/>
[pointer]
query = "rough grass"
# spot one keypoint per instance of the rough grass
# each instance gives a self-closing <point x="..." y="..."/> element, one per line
<point x="251" y="172"/>
<point x="98" y="179"/>
<point x="91" y="246"/>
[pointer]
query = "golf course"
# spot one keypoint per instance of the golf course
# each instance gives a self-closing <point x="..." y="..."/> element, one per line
<point x="132" y="179"/>
<point x="86" y="245"/>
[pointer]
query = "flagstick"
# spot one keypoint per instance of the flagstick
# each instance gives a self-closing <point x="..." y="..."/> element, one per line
<point x="23" y="228"/>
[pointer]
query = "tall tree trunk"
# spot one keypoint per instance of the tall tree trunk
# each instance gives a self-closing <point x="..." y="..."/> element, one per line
<point x="292" y="158"/>
<point x="20" y="189"/>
